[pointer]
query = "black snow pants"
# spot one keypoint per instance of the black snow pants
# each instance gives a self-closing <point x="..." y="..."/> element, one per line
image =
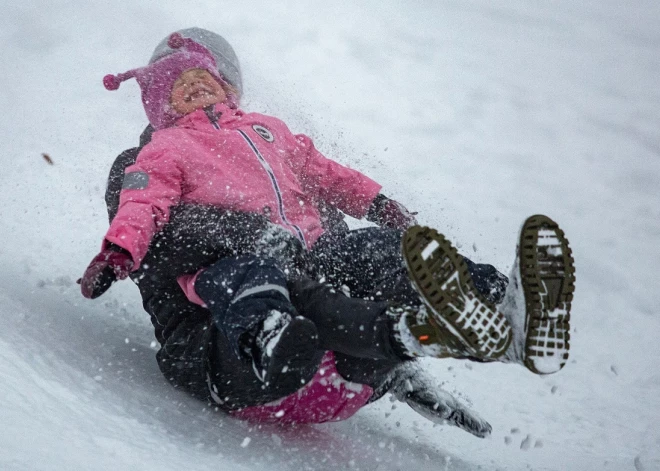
<point x="368" y="265"/>
<point x="197" y="356"/>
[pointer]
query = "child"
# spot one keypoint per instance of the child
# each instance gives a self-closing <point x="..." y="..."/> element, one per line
<point x="205" y="151"/>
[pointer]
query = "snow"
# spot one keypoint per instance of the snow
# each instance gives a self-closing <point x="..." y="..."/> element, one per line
<point x="274" y="320"/>
<point x="476" y="114"/>
<point x="429" y="249"/>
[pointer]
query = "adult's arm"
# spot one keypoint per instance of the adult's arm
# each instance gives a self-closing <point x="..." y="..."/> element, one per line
<point x="116" y="179"/>
<point x="116" y="176"/>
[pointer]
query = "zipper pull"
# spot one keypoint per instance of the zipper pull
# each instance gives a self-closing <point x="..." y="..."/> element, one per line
<point x="212" y="116"/>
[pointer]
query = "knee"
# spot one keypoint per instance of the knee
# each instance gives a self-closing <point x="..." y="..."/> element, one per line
<point x="232" y="384"/>
<point x="225" y="281"/>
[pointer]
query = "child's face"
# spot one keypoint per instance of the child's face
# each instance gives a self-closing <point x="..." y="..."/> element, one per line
<point x="195" y="89"/>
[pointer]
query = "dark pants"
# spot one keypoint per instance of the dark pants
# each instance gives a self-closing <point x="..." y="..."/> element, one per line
<point x="366" y="262"/>
<point x="198" y="353"/>
<point x="369" y="264"/>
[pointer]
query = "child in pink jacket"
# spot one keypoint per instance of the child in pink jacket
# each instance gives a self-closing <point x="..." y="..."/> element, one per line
<point x="281" y="337"/>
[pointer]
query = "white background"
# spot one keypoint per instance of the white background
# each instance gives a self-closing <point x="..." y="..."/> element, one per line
<point x="474" y="113"/>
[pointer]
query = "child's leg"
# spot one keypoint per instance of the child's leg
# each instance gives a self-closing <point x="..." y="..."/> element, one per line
<point x="372" y="336"/>
<point x="243" y="294"/>
<point x="239" y="293"/>
<point x="195" y="356"/>
<point x="249" y="302"/>
<point x="351" y="326"/>
<point x="369" y="262"/>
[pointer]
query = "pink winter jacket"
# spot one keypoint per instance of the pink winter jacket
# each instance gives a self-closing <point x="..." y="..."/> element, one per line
<point x="242" y="162"/>
<point x="251" y="163"/>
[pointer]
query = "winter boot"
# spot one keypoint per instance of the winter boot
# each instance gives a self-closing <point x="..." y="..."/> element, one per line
<point x="284" y="344"/>
<point x="538" y="299"/>
<point x="458" y="321"/>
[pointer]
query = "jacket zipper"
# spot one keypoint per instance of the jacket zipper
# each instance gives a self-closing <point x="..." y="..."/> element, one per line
<point x="213" y="118"/>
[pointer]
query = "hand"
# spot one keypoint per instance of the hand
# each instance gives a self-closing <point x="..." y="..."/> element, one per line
<point x="104" y="269"/>
<point x="414" y="386"/>
<point x="389" y="213"/>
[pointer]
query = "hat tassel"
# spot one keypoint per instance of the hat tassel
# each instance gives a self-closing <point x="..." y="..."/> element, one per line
<point x="112" y="82"/>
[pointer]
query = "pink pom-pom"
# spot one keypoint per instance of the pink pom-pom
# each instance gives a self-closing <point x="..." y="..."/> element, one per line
<point x="175" y="41"/>
<point x="111" y="82"/>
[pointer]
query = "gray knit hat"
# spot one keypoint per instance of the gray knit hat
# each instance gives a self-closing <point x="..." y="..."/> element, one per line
<point x="224" y="54"/>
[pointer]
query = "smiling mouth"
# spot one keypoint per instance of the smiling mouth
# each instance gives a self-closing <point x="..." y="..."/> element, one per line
<point x="197" y="94"/>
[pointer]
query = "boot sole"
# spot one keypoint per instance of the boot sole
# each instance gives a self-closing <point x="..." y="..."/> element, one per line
<point x="441" y="277"/>
<point x="547" y="275"/>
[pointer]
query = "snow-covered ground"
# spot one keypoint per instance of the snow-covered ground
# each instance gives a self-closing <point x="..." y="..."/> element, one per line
<point x="474" y="113"/>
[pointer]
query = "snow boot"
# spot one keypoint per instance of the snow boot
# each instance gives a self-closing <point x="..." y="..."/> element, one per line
<point x="538" y="298"/>
<point x="458" y="321"/>
<point x="284" y="344"/>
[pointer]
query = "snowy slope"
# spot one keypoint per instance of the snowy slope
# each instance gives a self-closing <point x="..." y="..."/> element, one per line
<point x="474" y="113"/>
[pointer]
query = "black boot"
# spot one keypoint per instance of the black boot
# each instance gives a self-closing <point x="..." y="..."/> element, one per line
<point x="283" y="344"/>
<point x="458" y="317"/>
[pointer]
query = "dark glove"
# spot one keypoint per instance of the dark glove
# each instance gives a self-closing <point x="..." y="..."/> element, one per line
<point x="388" y="213"/>
<point x="415" y="387"/>
<point x="110" y="265"/>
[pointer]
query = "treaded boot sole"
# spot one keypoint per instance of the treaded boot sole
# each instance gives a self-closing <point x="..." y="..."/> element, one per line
<point x="460" y="314"/>
<point x="547" y="275"/>
<point x="295" y="351"/>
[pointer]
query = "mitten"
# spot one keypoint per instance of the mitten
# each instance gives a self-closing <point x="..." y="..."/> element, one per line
<point x="110" y="265"/>
<point x="389" y="213"/>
